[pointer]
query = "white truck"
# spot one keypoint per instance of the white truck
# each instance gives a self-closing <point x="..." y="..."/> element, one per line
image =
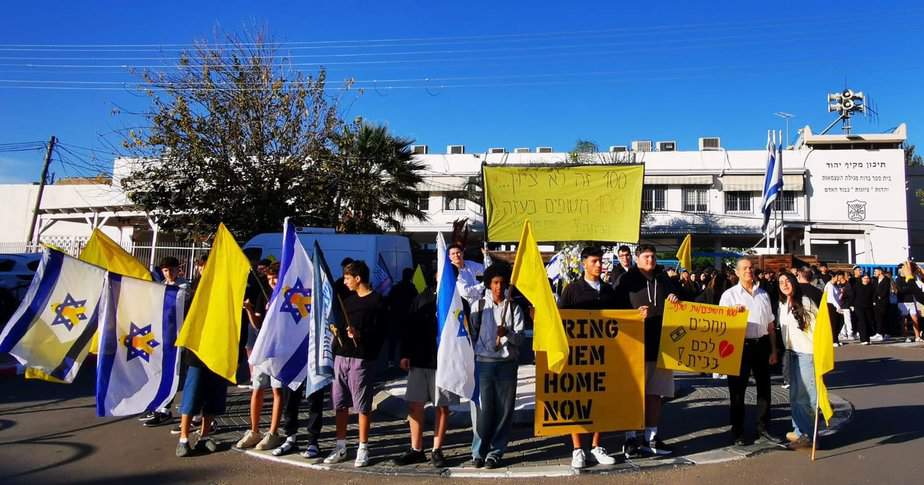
<point x="394" y="249"/>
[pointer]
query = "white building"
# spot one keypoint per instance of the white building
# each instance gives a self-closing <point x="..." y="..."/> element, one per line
<point x="844" y="198"/>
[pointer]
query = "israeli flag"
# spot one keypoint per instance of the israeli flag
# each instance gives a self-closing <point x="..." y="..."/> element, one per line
<point x="455" y="357"/>
<point x="328" y="311"/>
<point x="281" y="349"/>
<point x="50" y="332"/>
<point x="138" y="362"/>
<point x="381" y="277"/>
<point x="773" y="179"/>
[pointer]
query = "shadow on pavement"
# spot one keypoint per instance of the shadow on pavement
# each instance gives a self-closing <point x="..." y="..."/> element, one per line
<point x="883" y="425"/>
<point x="852" y="374"/>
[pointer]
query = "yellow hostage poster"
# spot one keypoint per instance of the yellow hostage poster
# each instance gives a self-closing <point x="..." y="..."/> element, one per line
<point x="564" y="203"/>
<point x="602" y="385"/>
<point x="697" y="337"/>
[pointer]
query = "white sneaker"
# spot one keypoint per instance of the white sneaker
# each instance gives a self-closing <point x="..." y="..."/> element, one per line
<point x="598" y="453"/>
<point x="876" y="338"/>
<point x="270" y="441"/>
<point x="337" y="456"/>
<point x="918" y="339"/>
<point x="577" y="459"/>
<point x="864" y="343"/>
<point x="362" y="457"/>
<point x="249" y="440"/>
<point x="908" y="340"/>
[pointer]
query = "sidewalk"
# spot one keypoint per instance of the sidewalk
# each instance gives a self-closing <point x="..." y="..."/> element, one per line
<point x="694" y="424"/>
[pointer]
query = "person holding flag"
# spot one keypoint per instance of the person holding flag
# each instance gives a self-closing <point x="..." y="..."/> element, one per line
<point x="797" y="314"/>
<point x="356" y="347"/>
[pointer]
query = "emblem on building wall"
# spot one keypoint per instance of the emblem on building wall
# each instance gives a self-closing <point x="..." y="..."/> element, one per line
<point x="856" y="210"/>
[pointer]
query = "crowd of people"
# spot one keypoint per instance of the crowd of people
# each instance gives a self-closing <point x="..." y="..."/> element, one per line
<point x="782" y="307"/>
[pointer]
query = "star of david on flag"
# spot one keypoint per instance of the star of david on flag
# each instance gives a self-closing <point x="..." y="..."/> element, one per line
<point x="296" y="301"/>
<point x="69" y="312"/>
<point x="140" y="342"/>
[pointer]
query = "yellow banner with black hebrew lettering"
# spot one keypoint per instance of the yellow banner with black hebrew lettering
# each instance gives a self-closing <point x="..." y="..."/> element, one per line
<point x="564" y="203"/>
<point x="696" y="337"/>
<point x="602" y="386"/>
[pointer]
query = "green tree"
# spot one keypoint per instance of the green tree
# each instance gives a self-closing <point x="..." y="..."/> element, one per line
<point x="912" y="159"/>
<point x="373" y="185"/>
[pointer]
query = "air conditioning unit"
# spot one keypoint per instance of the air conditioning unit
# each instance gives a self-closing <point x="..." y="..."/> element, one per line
<point x="618" y="149"/>
<point x="543" y="149"/>
<point x="455" y="149"/>
<point x="667" y="146"/>
<point x="641" y="146"/>
<point x="521" y="150"/>
<point x="420" y="149"/>
<point x="710" y="143"/>
<point x="497" y="150"/>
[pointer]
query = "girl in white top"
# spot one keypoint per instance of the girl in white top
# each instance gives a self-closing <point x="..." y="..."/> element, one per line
<point x="797" y="321"/>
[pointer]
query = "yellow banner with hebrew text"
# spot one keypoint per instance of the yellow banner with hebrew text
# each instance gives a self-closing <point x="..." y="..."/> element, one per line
<point x="564" y="203"/>
<point x="697" y="337"/>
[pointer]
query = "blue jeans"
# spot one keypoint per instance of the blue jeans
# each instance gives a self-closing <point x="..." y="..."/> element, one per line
<point x="493" y="417"/>
<point x="802" y="396"/>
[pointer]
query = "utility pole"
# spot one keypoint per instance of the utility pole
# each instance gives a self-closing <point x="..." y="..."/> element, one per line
<point x="41" y="190"/>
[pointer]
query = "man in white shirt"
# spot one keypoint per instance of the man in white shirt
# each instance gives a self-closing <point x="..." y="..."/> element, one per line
<point x="759" y="351"/>
<point x="469" y="271"/>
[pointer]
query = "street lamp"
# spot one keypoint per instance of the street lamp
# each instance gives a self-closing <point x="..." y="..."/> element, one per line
<point x="785" y="116"/>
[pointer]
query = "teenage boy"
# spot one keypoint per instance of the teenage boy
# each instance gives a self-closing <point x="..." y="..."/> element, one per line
<point x="418" y="358"/>
<point x="759" y="351"/>
<point x="589" y="293"/>
<point x="622" y="264"/>
<point x="497" y="325"/>
<point x="469" y="271"/>
<point x="262" y="381"/>
<point x="356" y="347"/>
<point x="648" y="290"/>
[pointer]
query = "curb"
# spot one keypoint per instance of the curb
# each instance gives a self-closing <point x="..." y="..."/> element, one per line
<point x="843" y="414"/>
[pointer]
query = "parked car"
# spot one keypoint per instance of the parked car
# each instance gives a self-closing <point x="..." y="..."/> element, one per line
<point x="16" y="272"/>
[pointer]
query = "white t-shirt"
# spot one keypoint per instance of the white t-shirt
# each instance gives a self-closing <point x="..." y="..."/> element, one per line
<point x="760" y="313"/>
<point x="468" y="284"/>
<point x="794" y="339"/>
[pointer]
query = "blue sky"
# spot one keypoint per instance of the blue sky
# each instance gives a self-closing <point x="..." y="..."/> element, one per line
<point x="486" y="74"/>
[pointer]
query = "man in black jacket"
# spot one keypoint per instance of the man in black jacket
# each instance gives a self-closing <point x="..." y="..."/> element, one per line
<point x="881" y="304"/>
<point x="648" y="290"/>
<point x="622" y="264"/>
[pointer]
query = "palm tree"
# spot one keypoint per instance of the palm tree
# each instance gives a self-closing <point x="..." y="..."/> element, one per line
<point x="377" y="189"/>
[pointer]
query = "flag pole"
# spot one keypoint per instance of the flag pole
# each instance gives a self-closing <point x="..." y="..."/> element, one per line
<point x="779" y="196"/>
<point x="815" y="435"/>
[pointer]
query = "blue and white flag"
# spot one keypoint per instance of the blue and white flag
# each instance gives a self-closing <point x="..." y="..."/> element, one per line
<point x="381" y="277"/>
<point x="50" y="332"/>
<point x="138" y="364"/>
<point x="281" y="349"/>
<point x="455" y="357"/>
<point x="328" y="311"/>
<point x="773" y="179"/>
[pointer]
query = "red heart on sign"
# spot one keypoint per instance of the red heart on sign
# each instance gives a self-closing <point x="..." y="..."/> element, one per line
<point x="725" y="349"/>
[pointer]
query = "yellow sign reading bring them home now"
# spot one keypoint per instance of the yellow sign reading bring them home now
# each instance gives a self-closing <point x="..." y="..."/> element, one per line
<point x="602" y="386"/>
<point x="564" y="203"/>
<point x="697" y="337"/>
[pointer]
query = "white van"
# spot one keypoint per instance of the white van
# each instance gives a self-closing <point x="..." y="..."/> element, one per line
<point x="394" y="249"/>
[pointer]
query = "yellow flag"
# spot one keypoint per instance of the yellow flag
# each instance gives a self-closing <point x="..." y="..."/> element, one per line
<point x="419" y="281"/>
<point x="823" y="343"/>
<point x="212" y="327"/>
<point x="685" y="253"/>
<point x="530" y="278"/>
<point x="106" y="253"/>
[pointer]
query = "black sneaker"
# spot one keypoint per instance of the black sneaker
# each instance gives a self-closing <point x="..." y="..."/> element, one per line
<point x="492" y="462"/>
<point x="477" y="462"/>
<point x="182" y="449"/>
<point x="630" y="448"/>
<point x="146" y="416"/>
<point x="207" y="444"/>
<point x="655" y="447"/>
<point x="767" y="436"/>
<point x="159" y="419"/>
<point x="410" y="457"/>
<point x="437" y="459"/>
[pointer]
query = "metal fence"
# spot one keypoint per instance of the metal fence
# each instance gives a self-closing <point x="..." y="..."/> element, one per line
<point x="149" y="256"/>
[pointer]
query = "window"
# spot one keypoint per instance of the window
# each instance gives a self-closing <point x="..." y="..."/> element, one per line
<point x="423" y="201"/>
<point x="454" y="201"/>
<point x="694" y="199"/>
<point x="787" y="202"/>
<point x="653" y="197"/>
<point x="738" y="202"/>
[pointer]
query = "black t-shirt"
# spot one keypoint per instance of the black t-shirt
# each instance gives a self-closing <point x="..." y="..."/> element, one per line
<point x="812" y="292"/>
<point x="365" y="314"/>
<point x="653" y="292"/>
